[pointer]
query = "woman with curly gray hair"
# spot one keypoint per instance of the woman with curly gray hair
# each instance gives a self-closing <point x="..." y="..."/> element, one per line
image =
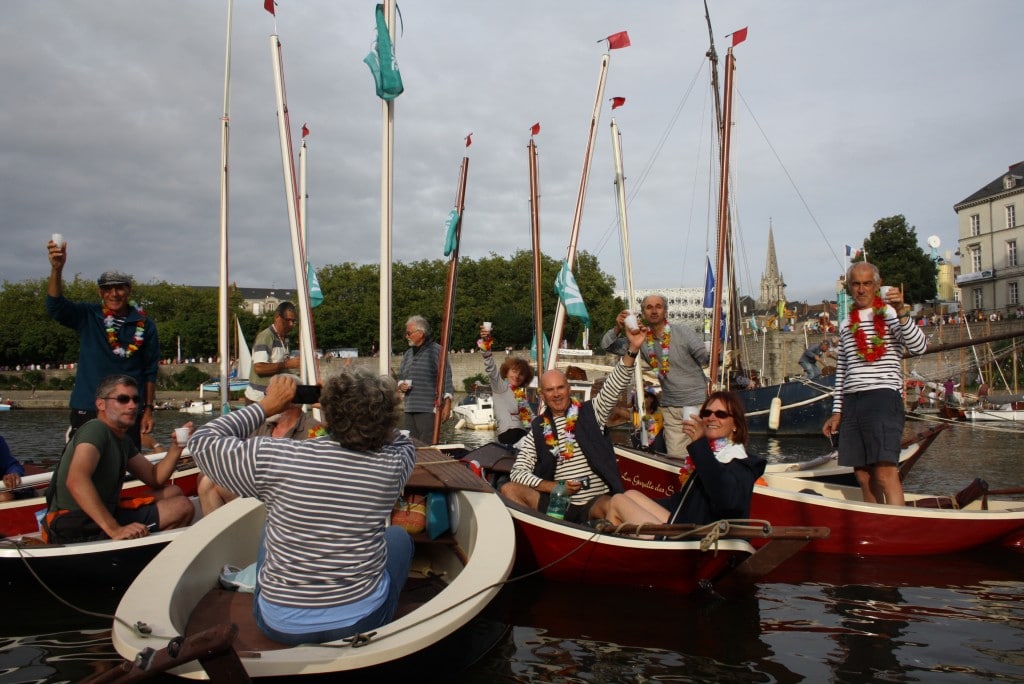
<point x="330" y="565"/>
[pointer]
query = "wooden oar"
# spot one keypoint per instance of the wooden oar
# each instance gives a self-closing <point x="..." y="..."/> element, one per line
<point x="1011" y="491"/>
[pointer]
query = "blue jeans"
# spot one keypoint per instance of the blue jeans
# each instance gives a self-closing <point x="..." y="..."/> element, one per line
<point x="400" y="551"/>
<point x="811" y="369"/>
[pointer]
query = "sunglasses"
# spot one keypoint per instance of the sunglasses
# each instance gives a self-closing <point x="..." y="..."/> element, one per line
<point x="717" y="413"/>
<point x="125" y="398"/>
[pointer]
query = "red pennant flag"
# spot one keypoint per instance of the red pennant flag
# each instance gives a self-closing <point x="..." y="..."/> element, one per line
<point x="739" y="36"/>
<point x="618" y="40"/>
<point x="535" y="128"/>
<point x="469" y="140"/>
<point x="305" y="130"/>
<point x="269" y="6"/>
<point x="618" y="102"/>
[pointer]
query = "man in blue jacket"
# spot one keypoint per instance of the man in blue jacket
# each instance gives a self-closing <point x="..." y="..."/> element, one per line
<point x="115" y="337"/>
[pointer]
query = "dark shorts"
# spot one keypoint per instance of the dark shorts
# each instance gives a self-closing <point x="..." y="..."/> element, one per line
<point x="80" y="418"/>
<point x="871" y="428"/>
<point x="71" y="527"/>
<point x="575" y="513"/>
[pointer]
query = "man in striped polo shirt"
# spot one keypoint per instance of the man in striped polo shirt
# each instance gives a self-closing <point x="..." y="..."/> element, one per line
<point x="867" y="409"/>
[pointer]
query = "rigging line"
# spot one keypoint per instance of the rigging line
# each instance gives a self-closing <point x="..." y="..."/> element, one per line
<point x="792" y="182"/>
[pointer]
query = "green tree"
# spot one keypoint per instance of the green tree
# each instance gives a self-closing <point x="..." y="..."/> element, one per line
<point x="893" y="248"/>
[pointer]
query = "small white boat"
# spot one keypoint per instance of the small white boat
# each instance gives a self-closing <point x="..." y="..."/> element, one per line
<point x="476" y="411"/>
<point x="178" y="593"/>
<point x="197" y="407"/>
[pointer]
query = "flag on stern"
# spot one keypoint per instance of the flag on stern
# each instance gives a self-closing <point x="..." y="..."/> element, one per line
<point x="450" y="237"/>
<point x="709" y="286"/>
<point x="618" y="102"/>
<point x="569" y="292"/>
<point x="382" y="62"/>
<point x="617" y="40"/>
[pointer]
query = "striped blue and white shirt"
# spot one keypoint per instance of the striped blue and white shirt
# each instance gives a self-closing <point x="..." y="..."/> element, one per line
<point x="854" y="374"/>
<point x="327" y="506"/>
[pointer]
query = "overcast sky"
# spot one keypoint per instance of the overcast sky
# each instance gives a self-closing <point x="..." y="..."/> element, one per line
<point x="845" y="113"/>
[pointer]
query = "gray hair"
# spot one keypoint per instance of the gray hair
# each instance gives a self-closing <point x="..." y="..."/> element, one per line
<point x="109" y="383"/>
<point x="859" y="264"/>
<point x="663" y="298"/>
<point x="420" y="323"/>
<point x="360" y="409"/>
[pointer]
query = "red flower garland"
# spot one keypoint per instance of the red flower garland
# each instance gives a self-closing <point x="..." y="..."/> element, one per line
<point x="873" y="348"/>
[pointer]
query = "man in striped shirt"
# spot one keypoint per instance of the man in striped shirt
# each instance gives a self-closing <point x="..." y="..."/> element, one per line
<point x="567" y="443"/>
<point x="868" y="401"/>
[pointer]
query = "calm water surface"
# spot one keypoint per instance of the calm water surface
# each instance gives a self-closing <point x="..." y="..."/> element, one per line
<point x="937" y="619"/>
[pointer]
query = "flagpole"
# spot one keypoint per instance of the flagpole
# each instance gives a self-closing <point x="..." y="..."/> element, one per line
<point x="570" y="257"/>
<point x="627" y="263"/>
<point x="538" y="311"/>
<point x="387" y="110"/>
<point x="723" y="221"/>
<point x="449" y="300"/>
<point x="223" y="334"/>
<point x="307" y="338"/>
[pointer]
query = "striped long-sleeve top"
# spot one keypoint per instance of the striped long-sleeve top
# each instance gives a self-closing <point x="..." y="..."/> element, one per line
<point x="854" y="374"/>
<point x="327" y="506"/>
<point x="574" y="468"/>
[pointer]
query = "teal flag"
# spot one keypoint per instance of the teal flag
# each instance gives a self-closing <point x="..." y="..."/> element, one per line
<point x="533" y="349"/>
<point x="316" y="295"/>
<point x="382" y="62"/>
<point x="569" y="292"/>
<point x="450" y="239"/>
<point x="843" y="305"/>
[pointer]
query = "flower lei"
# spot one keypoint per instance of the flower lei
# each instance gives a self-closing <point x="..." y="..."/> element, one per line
<point x="570" y="431"/>
<point x="318" y="431"/>
<point x="650" y="425"/>
<point x="688" y="467"/>
<point x="485" y="345"/>
<point x="114" y="342"/>
<point x="870" y="348"/>
<point x="655" y="359"/>
<point x="525" y="412"/>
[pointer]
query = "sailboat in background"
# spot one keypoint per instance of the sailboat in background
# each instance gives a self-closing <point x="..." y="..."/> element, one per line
<point x="238" y="378"/>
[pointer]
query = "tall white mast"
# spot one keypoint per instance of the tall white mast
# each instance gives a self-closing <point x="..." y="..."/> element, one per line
<point x="223" y="330"/>
<point x="387" y="108"/>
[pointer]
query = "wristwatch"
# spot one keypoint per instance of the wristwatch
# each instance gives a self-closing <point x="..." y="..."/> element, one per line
<point x="633" y="354"/>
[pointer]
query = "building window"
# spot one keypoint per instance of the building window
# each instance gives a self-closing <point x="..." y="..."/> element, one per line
<point x="1011" y="252"/>
<point x="1011" y="215"/>
<point x="975" y="225"/>
<point x="1011" y="293"/>
<point x="975" y="258"/>
<point x="979" y="300"/>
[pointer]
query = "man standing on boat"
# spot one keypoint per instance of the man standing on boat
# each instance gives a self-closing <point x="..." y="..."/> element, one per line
<point x="115" y="337"/>
<point x="271" y="353"/>
<point x="567" y="443"/>
<point x="418" y="381"/>
<point x="867" y="410"/>
<point x="812" y="355"/>
<point x="679" y="355"/>
<point x="84" y="497"/>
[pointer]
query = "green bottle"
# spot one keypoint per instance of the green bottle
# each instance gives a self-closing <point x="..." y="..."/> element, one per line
<point x="558" y="501"/>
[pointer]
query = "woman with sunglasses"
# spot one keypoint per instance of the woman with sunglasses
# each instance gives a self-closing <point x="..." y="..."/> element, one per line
<point x="718" y="478"/>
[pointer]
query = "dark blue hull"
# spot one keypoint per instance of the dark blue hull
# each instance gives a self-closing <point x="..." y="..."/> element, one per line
<point x="806" y="405"/>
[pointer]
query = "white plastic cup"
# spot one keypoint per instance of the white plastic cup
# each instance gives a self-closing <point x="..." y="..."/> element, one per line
<point x="883" y="291"/>
<point x="631" y="323"/>
<point x="408" y="384"/>
<point x="690" y="413"/>
<point x="181" y="434"/>
<point x="58" y="239"/>
<point x="487" y="326"/>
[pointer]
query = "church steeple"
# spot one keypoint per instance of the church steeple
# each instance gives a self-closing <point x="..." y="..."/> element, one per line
<point x="773" y="288"/>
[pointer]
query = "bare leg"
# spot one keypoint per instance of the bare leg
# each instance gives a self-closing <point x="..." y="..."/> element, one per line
<point x="863" y="476"/>
<point x="652" y="507"/>
<point x="886" y="477"/>
<point x="623" y="508"/>
<point x="521" y="494"/>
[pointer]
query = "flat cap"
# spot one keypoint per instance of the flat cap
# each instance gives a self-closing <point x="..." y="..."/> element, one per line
<point x="114" y="278"/>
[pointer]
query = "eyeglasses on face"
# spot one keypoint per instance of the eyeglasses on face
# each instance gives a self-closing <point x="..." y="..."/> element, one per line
<point x="717" y="413"/>
<point x="124" y="398"/>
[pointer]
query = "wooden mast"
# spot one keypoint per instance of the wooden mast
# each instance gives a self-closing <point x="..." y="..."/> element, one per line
<point x="449" y="300"/>
<point x="570" y="257"/>
<point x="538" y="312"/>
<point x="723" y="222"/>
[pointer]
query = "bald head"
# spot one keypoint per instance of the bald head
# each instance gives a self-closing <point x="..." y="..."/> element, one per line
<point x="554" y="389"/>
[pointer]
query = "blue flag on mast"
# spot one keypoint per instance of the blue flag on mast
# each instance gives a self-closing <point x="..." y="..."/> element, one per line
<point x="450" y="237"/>
<point x="569" y="292"/>
<point x="316" y="295"/>
<point x="709" y="287"/>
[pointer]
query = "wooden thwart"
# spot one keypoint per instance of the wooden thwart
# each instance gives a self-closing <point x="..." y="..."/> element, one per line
<point x="436" y="470"/>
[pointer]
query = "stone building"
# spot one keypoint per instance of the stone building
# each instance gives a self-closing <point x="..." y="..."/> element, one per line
<point x="773" y="288"/>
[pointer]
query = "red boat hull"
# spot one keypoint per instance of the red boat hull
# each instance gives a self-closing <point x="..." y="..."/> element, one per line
<point x="19" y="516"/>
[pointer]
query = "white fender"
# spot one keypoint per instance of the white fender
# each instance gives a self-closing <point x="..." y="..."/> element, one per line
<point x="774" y="414"/>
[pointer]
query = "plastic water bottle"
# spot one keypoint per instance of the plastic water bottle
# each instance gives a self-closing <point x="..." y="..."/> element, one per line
<point x="558" y="501"/>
